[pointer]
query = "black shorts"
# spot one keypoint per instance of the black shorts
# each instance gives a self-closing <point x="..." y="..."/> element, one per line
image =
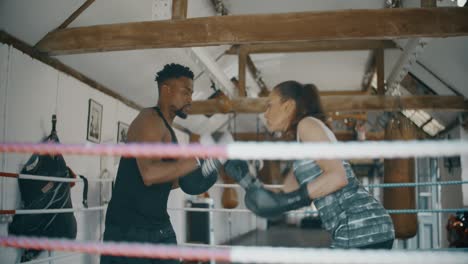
<point x="162" y="235"/>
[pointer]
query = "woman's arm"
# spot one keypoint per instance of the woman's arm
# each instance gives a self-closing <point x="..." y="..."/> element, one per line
<point x="333" y="177"/>
<point x="290" y="183"/>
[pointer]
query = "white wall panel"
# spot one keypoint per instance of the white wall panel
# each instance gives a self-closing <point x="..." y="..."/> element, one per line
<point x="33" y="93"/>
<point x="4" y="51"/>
<point x="8" y="255"/>
<point x="31" y="100"/>
<point x="464" y="167"/>
<point x="72" y="118"/>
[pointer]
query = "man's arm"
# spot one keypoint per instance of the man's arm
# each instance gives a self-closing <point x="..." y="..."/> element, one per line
<point x="148" y="127"/>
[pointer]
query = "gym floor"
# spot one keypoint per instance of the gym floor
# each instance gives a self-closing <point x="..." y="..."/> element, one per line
<point x="282" y="235"/>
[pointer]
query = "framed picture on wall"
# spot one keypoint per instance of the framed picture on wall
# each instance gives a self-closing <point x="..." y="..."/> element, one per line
<point x="122" y="130"/>
<point x="94" y="121"/>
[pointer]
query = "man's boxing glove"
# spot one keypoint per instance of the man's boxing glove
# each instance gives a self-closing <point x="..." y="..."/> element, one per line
<point x="199" y="181"/>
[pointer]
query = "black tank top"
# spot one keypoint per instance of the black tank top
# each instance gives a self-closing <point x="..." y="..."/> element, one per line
<point x="133" y="204"/>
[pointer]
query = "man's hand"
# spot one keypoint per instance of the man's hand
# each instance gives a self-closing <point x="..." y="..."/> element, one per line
<point x="196" y="182"/>
<point x="210" y="166"/>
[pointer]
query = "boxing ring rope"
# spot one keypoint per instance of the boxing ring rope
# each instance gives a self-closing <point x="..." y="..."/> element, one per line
<point x="223" y="185"/>
<point x="216" y="210"/>
<point x="42" y="260"/>
<point x="251" y="150"/>
<point x="307" y="212"/>
<point x="49" y="178"/>
<point x="53" y="211"/>
<point x="380" y="185"/>
<point x="237" y="254"/>
<point x="47" y="259"/>
<point x="273" y="151"/>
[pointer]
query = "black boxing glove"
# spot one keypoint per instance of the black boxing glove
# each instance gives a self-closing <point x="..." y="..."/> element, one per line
<point x="198" y="181"/>
<point x="268" y="204"/>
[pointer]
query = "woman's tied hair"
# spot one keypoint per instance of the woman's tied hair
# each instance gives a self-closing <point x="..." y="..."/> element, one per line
<point x="307" y="99"/>
<point x="172" y="71"/>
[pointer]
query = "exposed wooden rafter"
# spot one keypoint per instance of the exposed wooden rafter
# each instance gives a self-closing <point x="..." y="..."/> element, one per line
<point x="58" y="65"/>
<point x="340" y="104"/>
<point x="380" y="68"/>
<point x="313" y="46"/>
<point x="73" y="16"/>
<point x="265" y="28"/>
<point x="179" y="9"/>
<point x="255" y="74"/>
<point x="340" y="135"/>
<point x="428" y="3"/>
<point x="242" y="72"/>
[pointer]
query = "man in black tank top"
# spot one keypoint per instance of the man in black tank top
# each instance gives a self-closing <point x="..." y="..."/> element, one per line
<point x="137" y="211"/>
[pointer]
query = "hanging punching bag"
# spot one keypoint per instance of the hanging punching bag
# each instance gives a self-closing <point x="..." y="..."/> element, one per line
<point x="229" y="198"/>
<point x="400" y="170"/>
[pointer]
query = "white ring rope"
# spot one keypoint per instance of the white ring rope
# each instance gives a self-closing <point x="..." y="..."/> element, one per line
<point x="350" y="256"/>
<point x="63" y="210"/>
<point x="305" y="211"/>
<point x="204" y="245"/>
<point x="250" y="150"/>
<point x="42" y="260"/>
<point x="240" y="254"/>
<point x="380" y="185"/>
<point x="237" y="186"/>
<point x="346" y="150"/>
<point x="59" y="179"/>
<point x="220" y="210"/>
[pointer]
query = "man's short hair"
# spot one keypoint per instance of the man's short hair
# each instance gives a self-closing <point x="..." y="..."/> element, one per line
<point x="172" y="71"/>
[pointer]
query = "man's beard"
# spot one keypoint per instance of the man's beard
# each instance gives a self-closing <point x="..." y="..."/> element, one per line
<point x="180" y="112"/>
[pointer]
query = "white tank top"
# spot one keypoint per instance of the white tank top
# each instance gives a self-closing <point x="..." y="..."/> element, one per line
<point x="327" y="130"/>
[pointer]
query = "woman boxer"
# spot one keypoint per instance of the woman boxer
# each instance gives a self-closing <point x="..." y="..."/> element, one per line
<point x="354" y="218"/>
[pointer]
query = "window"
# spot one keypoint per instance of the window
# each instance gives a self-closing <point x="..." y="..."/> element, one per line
<point x="433" y="127"/>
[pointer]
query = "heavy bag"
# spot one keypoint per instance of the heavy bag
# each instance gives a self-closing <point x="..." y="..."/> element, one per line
<point x="397" y="171"/>
<point x="229" y="198"/>
<point x="44" y="195"/>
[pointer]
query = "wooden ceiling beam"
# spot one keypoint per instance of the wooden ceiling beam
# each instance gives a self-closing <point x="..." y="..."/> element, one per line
<point x="242" y="73"/>
<point x="265" y="28"/>
<point x="340" y="135"/>
<point x="428" y="3"/>
<point x="314" y="46"/>
<point x="340" y="104"/>
<point x="380" y="67"/>
<point x="179" y="9"/>
<point x="254" y="71"/>
<point x="343" y="92"/>
<point x="342" y="116"/>
<point x="75" y="14"/>
<point x="60" y="66"/>
<point x="72" y="17"/>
